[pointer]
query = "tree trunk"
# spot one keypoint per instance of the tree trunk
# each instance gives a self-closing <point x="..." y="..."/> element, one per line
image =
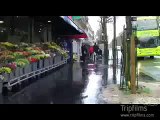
<point x="128" y="60"/>
<point x="133" y="66"/>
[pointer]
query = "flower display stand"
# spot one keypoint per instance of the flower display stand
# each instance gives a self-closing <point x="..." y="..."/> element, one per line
<point x="33" y="69"/>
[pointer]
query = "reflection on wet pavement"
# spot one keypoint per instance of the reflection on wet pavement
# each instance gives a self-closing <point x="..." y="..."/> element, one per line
<point x="72" y="84"/>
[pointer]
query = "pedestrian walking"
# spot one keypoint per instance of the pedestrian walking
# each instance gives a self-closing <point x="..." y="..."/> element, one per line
<point x="84" y="52"/>
<point x="96" y="48"/>
<point x="91" y="51"/>
<point x="95" y="51"/>
<point x="99" y="52"/>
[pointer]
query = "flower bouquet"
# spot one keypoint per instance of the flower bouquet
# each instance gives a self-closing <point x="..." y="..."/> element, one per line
<point x="12" y="66"/>
<point x="47" y="55"/>
<point x="18" y="54"/>
<point x="9" y="46"/>
<point x="33" y="62"/>
<point x="5" y="71"/>
<point x="22" y="62"/>
<point x="10" y="58"/>
<point x="32" y="59"/>
<point x="4" y="56"/>
<point x="33" y="52"/>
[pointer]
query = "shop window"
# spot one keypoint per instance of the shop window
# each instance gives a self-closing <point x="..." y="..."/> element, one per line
<point x="42" y="28"/>
<point x="39" y="32"/>
<point x="20" y="29"/>
<point x="3" y="29"/>
<point x="14" y="29"/>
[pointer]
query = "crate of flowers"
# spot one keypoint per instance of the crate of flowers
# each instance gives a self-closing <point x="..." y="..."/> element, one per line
<point x="14" y="72"/>
<point x="1" y="83"/>
<point x="23" y="65"/>
<point x="34" y="63"/>
<point x="5" y="72"/>
<point x="57" y="57"/>
<point x="39" y="58"/>
<point x="47" y="60"/>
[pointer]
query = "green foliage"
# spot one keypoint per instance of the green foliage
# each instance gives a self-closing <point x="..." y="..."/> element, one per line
<point x="18" y="55"/>
<point x="22" y="62"/>
<point x="5" y="70"/>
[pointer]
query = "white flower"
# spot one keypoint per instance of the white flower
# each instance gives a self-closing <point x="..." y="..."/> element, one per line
<point x="48" y="55"/>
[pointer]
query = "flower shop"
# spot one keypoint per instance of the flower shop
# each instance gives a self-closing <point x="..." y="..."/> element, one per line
<point x="32" y="45"/>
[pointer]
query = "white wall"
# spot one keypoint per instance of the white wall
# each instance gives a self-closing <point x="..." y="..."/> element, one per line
<point x="77" y="48"/>
<point x="74" y="46"/>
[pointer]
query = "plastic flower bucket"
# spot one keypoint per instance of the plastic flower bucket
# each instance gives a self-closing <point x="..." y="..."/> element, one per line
<point x="1" y="84"/>
<point x="34" y="66"/>
<point x="46" y="62"/>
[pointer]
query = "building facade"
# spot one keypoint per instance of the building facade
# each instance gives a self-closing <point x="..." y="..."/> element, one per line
<point x="82" y="22"/>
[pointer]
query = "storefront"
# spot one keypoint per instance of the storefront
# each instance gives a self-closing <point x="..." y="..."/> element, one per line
<point x="36" y="28"/>
<point x="28" y="46"/>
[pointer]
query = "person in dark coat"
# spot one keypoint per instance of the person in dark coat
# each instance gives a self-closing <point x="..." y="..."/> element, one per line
<point x="84" y="52"/>
<point x="100" y="52"/>
<point x="96" y="48"/>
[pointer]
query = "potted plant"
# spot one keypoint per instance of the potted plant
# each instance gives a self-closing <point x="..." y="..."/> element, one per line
<point x="1" y="83"/>
<point x="40" y="58"/>
<point x="13" y="67"/>
<point x="18" y="54"/>
<point x="22" y="63"/>
<point x="33" y="61"/>
<point x="4" y="55"/>
<point x="5" y="72"/>
<point x="47" y="60"/>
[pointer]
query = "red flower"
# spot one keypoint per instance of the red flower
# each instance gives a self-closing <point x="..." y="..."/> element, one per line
<point x="32" y="60"/>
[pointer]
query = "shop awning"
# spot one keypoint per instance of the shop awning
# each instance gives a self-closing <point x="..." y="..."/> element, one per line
<point x="81" y="34"/>
<point x="70" y="22"/>
<point x="76" y="36"/>
<point x="62" y="25"/>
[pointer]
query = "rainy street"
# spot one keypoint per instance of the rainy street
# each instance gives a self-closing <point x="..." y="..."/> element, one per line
<point x="79" y="59"/>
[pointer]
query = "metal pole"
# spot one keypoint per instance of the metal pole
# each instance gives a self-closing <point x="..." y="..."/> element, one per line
<point x="105" y="38"/>
<point x="114" y="50"/>
<point x="133" y="65"/>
